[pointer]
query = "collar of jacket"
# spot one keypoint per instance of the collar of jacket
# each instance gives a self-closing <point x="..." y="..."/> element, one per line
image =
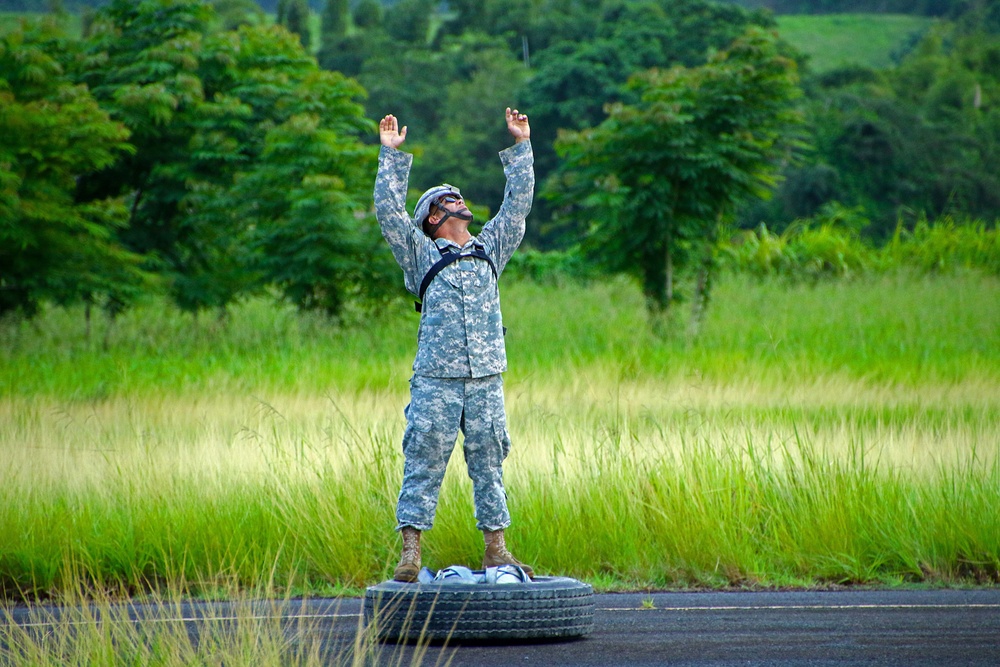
<point x="443" y="243"/>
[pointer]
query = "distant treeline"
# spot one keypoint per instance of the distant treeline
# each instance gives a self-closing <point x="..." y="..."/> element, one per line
<point x="75" y="5"/>
<point x="920" y="7"/>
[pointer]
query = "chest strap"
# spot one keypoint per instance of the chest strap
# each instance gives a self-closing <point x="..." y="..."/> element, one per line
<point x="448" y="257"/>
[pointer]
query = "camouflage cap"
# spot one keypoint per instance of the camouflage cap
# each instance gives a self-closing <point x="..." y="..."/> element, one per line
<point x="423" y="208"/>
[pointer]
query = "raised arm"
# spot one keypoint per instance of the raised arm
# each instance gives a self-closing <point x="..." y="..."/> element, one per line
<point x="390" y="200"/>
<point x="504" y="232"/>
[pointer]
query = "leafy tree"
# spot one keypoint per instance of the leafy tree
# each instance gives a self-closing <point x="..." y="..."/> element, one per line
<point x="234" y="13"/>
<point x="409" y="21"/>
<point x="463" y="148"/>
<point x="574" y="80"/>
<point x="334" y="20"/>
<point x="300" y="200"/>
<point x="54" y="246"/>
<point x="917" y="140"/>
<point x="203" y="107"/>
<point x="411" y="84"/>
<point x="368" y="14"/>
<point x="511" y="20"/>
<point x="556" y="21"/>
<point x="347" y="51"/>
<point x="142" y="65"/>
<point x="297" y="200"/>
<point x="657" y="178"/>
<point x="296" y="19"/>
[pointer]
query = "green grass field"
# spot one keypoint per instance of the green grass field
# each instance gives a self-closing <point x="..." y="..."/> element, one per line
<point x="842" y="433"/>
<point x="834" y="40"/>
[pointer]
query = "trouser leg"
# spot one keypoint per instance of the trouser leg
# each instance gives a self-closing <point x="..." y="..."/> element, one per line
<point x="487" y="444"/>
<point x="432" y="421"/>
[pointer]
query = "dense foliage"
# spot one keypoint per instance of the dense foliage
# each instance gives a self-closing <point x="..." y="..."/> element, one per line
<point x="228" y="163"/>
<point x="658" y="177"/>
<point x="926" y="7"/>
<point x="242" y="168"/>
<point x="55" y="245"/>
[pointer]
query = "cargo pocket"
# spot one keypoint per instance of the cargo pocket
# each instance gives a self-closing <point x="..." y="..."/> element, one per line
<point x="416" y="436"/>
<point x="502" y="438"/>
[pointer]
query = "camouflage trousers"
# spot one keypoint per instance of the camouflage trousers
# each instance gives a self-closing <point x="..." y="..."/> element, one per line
<point x="438" y="408"/>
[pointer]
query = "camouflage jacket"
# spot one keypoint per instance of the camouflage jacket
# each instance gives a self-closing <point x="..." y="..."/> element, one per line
<point x="461" y="329"/>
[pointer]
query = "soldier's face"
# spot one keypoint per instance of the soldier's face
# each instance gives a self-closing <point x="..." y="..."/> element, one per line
<point x="452" y="202"/>
<point x="449" y="202"/>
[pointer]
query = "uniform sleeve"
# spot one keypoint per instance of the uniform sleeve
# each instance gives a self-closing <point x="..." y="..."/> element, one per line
<point x="501" y="235"/>
<point x="398" y="230"/>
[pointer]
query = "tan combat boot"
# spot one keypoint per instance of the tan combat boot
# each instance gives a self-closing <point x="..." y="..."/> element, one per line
<point x="497" y="554"/>
<point x="409" y="561"/>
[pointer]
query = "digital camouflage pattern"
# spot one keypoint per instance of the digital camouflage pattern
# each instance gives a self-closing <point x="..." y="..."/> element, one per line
<point x="460" y="347"/>
<point x="461" y="329"/>
<point x="438" y="408"/>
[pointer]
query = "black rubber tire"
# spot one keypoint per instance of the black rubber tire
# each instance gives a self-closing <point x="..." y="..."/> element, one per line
<point x="547" y="608"/>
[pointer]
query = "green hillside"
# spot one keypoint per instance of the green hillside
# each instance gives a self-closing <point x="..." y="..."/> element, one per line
<point x="833" y="40"/>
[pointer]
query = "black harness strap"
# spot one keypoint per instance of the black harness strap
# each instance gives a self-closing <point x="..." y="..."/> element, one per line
<point x="448" y="257"/>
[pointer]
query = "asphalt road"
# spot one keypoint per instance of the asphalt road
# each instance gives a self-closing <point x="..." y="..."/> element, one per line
<point x="946" y="627"/>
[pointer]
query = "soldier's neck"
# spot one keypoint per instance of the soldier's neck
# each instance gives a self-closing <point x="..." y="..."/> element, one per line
<point x="456" y="234"/>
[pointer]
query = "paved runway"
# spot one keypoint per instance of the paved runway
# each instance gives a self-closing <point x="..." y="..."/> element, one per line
<point x="946" y="627"/>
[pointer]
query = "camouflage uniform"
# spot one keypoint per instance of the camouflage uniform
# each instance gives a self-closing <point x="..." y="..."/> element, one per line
<point x="460" y="347"/>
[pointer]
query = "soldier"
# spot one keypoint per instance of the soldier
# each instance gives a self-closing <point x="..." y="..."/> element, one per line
<point x="457" y="381"/>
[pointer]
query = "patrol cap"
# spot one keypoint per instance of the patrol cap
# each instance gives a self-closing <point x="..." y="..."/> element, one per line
<point x="423" y="208"/>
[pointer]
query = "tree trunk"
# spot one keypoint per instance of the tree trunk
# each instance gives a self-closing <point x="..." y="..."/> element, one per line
<point x="698" y="302"/>
<point x="106" y="341"/>
<point x="668" y="288"/>
<point x="703" y="286"/>
<point x="660" y="307"/>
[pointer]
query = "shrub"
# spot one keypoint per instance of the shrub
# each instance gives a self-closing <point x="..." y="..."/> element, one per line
<point x="945" y="245"/>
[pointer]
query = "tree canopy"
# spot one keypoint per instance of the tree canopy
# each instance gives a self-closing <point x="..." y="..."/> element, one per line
<point x="54" y="245"/>
<point x="221" y="157"/>
<point x="655" y="180"/>
<point x="226" y="161"/>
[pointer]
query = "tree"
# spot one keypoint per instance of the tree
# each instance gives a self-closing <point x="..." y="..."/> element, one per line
<point x="297" y="21"/>
<point x="204" y="107"/>
<point x="919" y="140"/>
<point x="333" y="25"/>
<point x="346" y="51"/>
<point x="658" y="178"/>
<point x="575" y="79"/>
<point x="463" y="148"/>
<point x="368" y="14"/>
<point x="53" y="245"/>
<point x="234" y="13"/>
<point x="300" y="201"/>
<point x="409" y="21"/>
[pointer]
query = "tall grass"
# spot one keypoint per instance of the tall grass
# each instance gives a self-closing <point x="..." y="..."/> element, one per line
<point x="892" y="328"/>
<point x="247" y="629"/>
<point x="830" y="433"/>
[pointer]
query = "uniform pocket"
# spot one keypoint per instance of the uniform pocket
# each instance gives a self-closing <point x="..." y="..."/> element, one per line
<point x="502" y="438"/>
<point x="417" y="437"/>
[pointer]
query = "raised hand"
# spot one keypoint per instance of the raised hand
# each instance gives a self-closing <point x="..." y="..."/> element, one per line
<point x="517" y="124"/>
<point x="390" y="134"/>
